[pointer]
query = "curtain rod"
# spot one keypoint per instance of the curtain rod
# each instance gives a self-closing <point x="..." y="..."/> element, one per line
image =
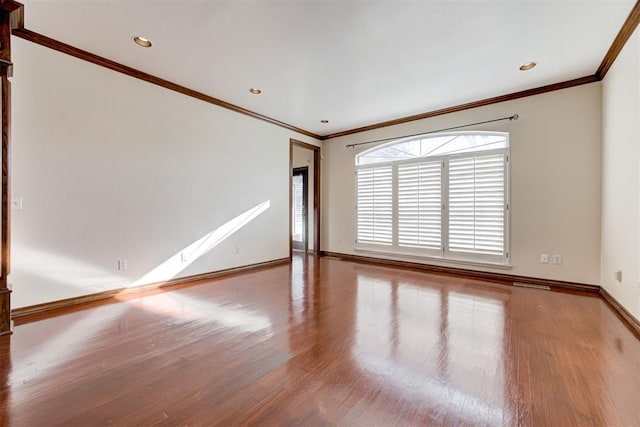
<point x="514" y="117"/>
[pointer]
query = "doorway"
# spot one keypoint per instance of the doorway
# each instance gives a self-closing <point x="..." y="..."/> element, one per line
<point x="299" y="209"/>
<point x="304" y="197"/>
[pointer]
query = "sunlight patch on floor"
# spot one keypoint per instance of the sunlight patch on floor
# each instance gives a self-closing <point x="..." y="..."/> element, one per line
<point x="227" y="315"/>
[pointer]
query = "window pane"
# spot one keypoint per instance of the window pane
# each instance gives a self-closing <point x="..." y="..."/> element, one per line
<point x="433" y="145"/>
<point x="470" y="142"/>
<point x="298" y="209"/>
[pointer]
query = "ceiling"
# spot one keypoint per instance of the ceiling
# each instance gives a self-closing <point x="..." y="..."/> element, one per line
<point x="353" y="63"/>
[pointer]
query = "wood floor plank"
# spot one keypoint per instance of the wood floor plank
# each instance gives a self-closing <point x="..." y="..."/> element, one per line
<point x="325" y="342"/>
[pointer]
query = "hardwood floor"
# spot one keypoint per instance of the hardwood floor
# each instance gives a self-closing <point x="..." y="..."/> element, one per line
<point x="324" y="342"/>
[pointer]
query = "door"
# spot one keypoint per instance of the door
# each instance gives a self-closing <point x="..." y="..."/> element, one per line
<point x="299" y="231"/>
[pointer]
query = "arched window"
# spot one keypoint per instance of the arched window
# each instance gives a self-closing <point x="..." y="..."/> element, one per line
<point x="439" y="195"/>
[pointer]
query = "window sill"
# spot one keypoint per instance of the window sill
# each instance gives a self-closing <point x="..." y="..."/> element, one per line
<point x="435" y="258"/>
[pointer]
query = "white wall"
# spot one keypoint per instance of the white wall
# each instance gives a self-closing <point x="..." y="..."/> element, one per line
<point x="304" y="157"/>
<point x="555" y="180"/>
<point x="110" y="167"/>
<point x="620" y="177"/>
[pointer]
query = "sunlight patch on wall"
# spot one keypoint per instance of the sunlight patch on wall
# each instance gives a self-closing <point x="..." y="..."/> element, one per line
<point x="186" y="256"/>
<point x="64" y="269"/>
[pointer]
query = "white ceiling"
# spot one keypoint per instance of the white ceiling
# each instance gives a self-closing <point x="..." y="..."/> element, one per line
<point x="352" y="62"/>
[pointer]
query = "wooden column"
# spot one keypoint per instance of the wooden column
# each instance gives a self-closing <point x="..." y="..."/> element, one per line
<point x="11" y="16"/>
<point x="5" y="216"/>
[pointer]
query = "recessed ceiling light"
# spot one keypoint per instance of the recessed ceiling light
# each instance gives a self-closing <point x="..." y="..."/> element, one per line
<point x="527" y="66"/>
<point x="141" y="41"/>
<point x="324" y="121"/>
<point x="255" y="91"/>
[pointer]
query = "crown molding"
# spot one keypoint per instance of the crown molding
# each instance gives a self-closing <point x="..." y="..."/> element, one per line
<point x="59" y="46"/>
<point x="621" y="39"/>
<point x="469" y="105"/>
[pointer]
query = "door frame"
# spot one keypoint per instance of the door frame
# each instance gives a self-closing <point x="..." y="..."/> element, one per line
<point x="304" y="172"/>
<point x="316" y="194"/>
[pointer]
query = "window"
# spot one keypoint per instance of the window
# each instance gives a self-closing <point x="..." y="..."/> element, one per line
<point x="442" y="195"/>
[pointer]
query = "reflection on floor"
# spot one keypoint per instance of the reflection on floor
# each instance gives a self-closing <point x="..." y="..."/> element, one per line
<point x="324" y="341"/>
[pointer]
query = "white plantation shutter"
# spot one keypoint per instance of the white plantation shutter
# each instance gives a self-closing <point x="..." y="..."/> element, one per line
<point x="443" y="196"/>
<point x="477" y="204"/>
<point x="375" y="205"/>
<point x="420" y="204"/>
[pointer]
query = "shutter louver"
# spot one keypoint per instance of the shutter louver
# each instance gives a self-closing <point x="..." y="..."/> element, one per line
<point x="476" y="204"/>
<point x="419" y="205"/>
<point x="375" y="205"/>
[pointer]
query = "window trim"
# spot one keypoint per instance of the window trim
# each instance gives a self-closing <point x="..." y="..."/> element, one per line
<point x="469" y="258"/>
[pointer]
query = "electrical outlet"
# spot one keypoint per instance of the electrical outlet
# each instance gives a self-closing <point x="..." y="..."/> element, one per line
<point x="557" y="259"/>
<point x="544" y="258"/>
<point x="238" y="250"/>
<point x="618" y="275"/>
<point x="122" y="264"/>
<point x="183" y="257"/>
